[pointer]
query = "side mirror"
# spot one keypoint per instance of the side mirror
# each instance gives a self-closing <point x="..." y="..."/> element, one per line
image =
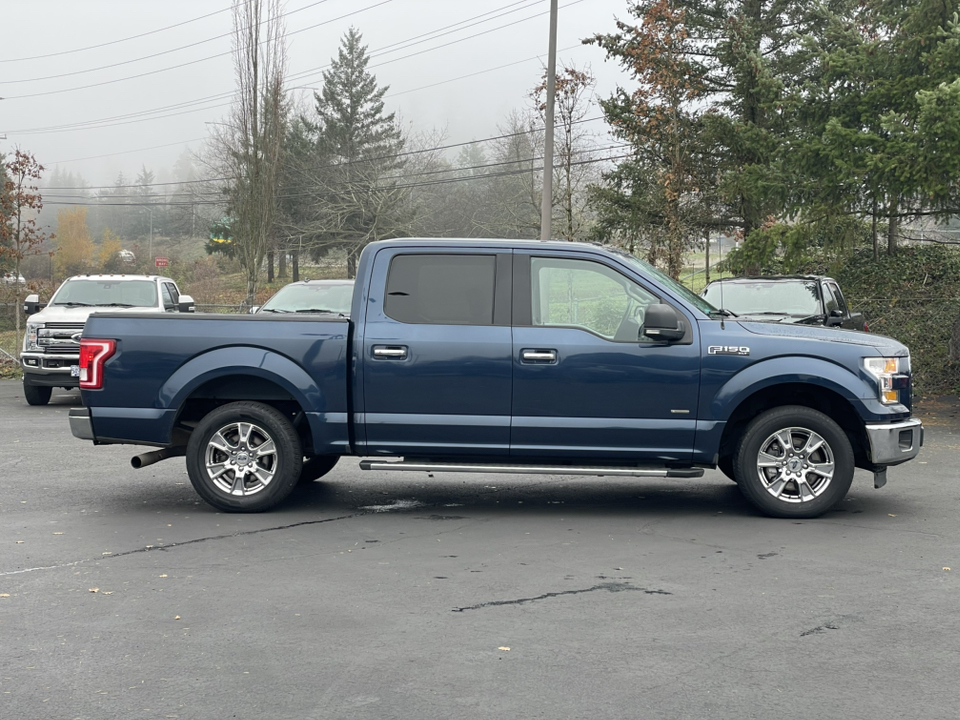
<point x="186" y="304"/>
<point x="254" y="310"/>
<point x="834" y="318"/>
<point x="663" y="323"/>
<point x="31" y="304"/>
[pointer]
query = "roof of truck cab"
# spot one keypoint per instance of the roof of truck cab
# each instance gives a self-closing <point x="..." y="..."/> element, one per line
<point x="494" y="242"/>
<point x="118" y="276"/>
<point x="773" y="278"/>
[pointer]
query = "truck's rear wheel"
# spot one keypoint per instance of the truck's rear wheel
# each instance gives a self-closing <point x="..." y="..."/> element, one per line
<point x="37" y="394"/>
<point x="244" y="457"/>
<point x="794" y="462"/>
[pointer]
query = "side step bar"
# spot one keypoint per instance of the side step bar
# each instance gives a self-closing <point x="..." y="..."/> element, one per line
<point x="532" y="469"/>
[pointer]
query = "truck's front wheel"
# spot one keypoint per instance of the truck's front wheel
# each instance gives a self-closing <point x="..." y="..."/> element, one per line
<point x="794" y="462"/>
<point x="244" y="457"/>
<point x="37" y="394"/>
<point x="317" y="466"/>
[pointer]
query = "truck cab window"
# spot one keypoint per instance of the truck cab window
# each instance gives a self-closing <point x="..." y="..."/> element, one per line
<point x="168" y="302"/>
<point x="829" y="301"/>
<point x="841" y="303"/>
<point x="441" y="289"/>
<point x="589" y="296"/>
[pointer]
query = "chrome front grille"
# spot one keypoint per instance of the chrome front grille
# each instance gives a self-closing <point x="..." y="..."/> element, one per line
<point x="60" y="338"/>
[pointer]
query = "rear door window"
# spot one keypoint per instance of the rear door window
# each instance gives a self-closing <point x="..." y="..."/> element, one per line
<point x="441" y="289"/>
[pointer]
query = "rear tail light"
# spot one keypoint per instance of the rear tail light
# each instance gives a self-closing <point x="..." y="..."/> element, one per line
<point x="93" y="354"/>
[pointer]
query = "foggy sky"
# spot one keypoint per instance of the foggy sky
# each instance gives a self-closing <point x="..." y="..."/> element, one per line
<point x="50" y="110"/>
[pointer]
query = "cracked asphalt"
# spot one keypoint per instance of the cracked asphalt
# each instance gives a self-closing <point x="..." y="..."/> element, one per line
<point x="378" y="595"/>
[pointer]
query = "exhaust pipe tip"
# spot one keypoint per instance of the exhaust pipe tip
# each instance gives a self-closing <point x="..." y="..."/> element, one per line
<point x="149" y="458"/>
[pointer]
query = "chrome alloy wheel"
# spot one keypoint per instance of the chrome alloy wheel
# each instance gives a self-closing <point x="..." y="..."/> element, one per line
<point x="795" y="465"/>
<point x="241" y="459"/>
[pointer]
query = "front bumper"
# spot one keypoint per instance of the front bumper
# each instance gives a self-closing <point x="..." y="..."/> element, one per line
<point x="51" y="370"/>
<point x="80" y="423"/>
<point x="895" y="443"/>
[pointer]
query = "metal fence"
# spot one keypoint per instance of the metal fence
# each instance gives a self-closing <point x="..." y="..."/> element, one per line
<point x="205" y="308"/>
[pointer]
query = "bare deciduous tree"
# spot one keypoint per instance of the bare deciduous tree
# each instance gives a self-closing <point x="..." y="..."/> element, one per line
<point x="247" y="148"/>
<point x="574" y="147"/>
<point x="20" y="203"/>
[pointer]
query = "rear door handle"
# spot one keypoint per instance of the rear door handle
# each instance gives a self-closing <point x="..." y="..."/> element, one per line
<point x="390" y="352"/>
<point x="543" y="357"/>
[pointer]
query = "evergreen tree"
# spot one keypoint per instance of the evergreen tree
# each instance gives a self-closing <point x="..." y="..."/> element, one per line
<point x="880" y="125"/>
<point x="355" y="162"/>
<point x="147" y="212"/>
<point x="707" y="115"/>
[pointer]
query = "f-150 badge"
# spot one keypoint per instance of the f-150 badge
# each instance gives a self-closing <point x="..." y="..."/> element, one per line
<point x="727" y="350"/>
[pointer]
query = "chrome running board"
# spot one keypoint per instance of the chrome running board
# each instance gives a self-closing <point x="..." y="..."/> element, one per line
<point x="531" y="469"/>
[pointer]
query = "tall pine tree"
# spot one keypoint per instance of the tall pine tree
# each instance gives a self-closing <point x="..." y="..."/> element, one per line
<point x="355" y="162"/>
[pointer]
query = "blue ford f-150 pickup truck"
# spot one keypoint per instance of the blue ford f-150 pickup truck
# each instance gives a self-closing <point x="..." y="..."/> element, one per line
<point x="502" y="356"/>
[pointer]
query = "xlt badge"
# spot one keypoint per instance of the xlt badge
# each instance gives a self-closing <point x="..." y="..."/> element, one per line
<point x="727" y="350"/>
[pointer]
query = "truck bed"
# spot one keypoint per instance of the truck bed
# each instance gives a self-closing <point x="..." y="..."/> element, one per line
<point x="160" y="362"/>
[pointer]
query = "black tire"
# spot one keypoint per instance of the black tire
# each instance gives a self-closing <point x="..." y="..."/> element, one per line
<point x="225" y="462"/>
<point x="317" y="466"/>
<point x="725" y="465"/>
<point x="803" y="480"/>
<point x="37" y="394"/>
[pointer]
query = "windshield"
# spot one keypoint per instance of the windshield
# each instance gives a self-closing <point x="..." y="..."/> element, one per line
<point x="679" y="289"/>
<point x="89" y="292"/>
<point x="779" y="297"/>
<point x="335" y="297"/>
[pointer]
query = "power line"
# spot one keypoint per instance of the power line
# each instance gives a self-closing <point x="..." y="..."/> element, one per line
<point x="404" y="186"/>
<point x="114" y="42"/>
<point x="182" y="65"/>
<point x="392" y="156"/>
<point x="131" y="118"/>
<point x="126" y="152"/>
<point x="303" y="74"/>
<point x="444" y="171"/>
<point x="105" y="122"/>
<point x="307" y="73"/>
<point x="158" y="54"/>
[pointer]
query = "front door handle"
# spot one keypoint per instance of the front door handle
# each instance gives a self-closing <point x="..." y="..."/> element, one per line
<point x="390" y="352"/>
<point x="538" y="356"/>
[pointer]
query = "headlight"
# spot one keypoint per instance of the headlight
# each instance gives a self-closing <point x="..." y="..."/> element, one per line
<point x="891" y="374"/>
<point x="30" y="338"/>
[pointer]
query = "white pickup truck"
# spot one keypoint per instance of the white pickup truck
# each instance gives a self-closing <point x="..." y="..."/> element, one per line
<point x="51" y="345"/>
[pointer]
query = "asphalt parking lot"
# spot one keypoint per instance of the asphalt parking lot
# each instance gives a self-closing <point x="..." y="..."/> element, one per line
<point x="375" y="595"/>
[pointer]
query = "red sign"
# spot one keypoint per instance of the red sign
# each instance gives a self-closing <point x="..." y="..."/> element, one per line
<point x="163" y="262"/>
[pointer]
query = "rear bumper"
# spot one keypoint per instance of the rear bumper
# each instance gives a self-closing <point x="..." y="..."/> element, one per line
<point x="80" y="423"/>
<point x="895" y="443"/>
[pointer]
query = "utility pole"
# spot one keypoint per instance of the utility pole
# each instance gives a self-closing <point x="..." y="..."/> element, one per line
<point x="546" y="205"/>
<point x="150" y="253"/>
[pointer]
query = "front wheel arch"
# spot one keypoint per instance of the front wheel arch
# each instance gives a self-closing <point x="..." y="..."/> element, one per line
<point x="815" y="397"/>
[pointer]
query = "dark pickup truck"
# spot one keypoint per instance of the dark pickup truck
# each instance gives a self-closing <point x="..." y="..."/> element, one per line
<point x="804" y="299"/>
<point x="494" y="356"/>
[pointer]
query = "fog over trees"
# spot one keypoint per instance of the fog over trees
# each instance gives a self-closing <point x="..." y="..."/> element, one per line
<point x="787" y="126"/>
